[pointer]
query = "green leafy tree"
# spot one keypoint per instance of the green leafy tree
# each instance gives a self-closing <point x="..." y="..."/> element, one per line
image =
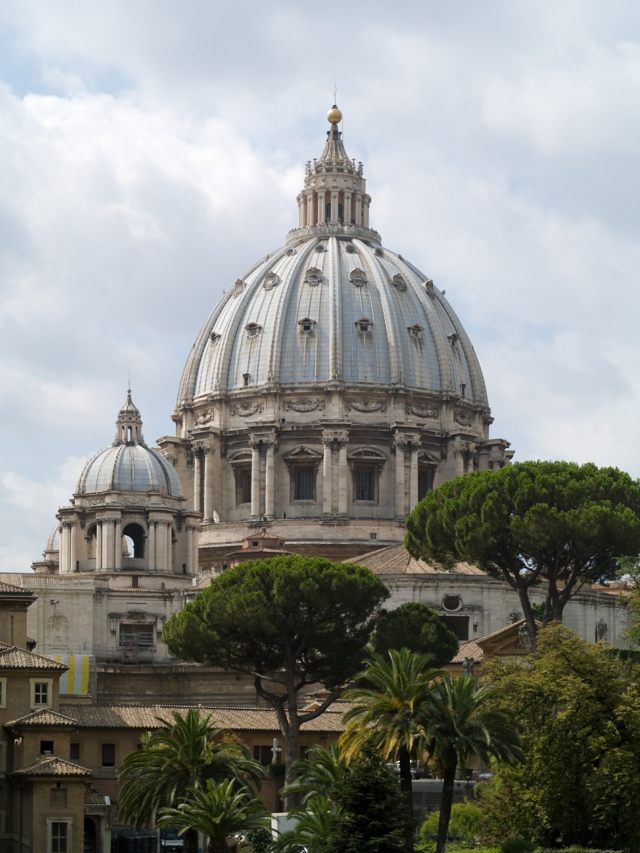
<point x="373" y="813"/>
<point x="579" y="707"/>
<point x="553" y="522"/>
<point x="288" y="622"/>
<point x="218" y="810"/>
<point x="416" y="627"/>
<point x="182" y="753"/>
<point x="386" y="714"/>
<point x="460" y="722"/>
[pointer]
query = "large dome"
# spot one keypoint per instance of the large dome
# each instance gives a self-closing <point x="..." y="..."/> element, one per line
<point x="331" y="388"/>
<point x="333" y="308"/>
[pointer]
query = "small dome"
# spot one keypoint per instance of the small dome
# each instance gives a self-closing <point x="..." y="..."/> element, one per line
<point x="129" y="465"/>
<point x="53" y="542"/>
<point x="129" y="468"/>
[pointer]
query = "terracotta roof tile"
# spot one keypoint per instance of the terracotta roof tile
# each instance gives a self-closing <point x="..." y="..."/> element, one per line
<point x="11" y="657"/>
<point x="11" y="589"/>
<point x="396" y="560"/>
<point x="146" y="717"/>
<point x="44" y="717"/>
<point x="51" y="765"/>
<point x="470" y="649"/>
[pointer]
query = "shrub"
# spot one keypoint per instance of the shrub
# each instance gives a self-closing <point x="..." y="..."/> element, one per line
<point x="464" y="826"/>
<point x="517" y="845"/>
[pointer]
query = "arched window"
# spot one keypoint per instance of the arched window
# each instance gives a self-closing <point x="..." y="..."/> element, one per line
<point x="134" y="537"/>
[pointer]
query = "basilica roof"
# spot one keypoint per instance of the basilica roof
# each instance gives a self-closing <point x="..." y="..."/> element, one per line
<point x="333" y="305"/>
<point x="129" y="465"/>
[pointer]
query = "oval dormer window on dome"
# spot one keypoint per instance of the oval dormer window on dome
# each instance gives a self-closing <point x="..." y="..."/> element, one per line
<point x="313" y="277"/>
<point x="306" y="326"/>
<point x="415" y="331"/>
<point x="271" y="281"/>
<point x="399" y="283"/>
<point x="358" y="277"/>
<point x="238" y="287"/>
<point x="364" y="325"/>
<point x="253" y="329"/>
<point x="214" y="337"/>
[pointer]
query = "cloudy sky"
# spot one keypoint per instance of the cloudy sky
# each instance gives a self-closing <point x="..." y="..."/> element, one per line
<point x="151" y="151"/>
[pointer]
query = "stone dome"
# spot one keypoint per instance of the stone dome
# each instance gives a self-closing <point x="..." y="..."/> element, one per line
<point x="129" y="468"/>
<point x="129" y="465"/>
<point x="331" y="388"/>
<point x="333" y="308"/>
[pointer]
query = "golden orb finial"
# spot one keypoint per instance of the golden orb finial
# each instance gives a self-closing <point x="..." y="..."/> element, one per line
<point x="334" y="116"/>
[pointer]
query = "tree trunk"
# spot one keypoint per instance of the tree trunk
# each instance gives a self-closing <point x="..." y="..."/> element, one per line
<point x="291" y="754"/>
<point x="527" y="612"/>
<point x="406" y="786"/>
<point x="446" y="801"/>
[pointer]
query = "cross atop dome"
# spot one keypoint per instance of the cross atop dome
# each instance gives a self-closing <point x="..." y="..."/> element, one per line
<point x="129" y="423"/>
<point x="334" y="197"/>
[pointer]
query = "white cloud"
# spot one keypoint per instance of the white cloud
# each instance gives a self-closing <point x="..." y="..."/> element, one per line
<point x="146" y="167"/>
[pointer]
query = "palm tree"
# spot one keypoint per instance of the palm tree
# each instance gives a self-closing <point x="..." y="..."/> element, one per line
<point x="218" y="810"/>
<point x="315" y="775"/>
<point x="172" y="760"/>
<point x="458" y="722"/>
<point x="387" y="712"/>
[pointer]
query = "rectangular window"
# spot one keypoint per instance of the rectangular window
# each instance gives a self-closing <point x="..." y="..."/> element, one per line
<point x="263" y="754"/>
<point x="41" y="692"/>
<point x="364" y="483"/>
<point x="46" y="747"/>
<point x="304" y="483"/>
<point x="243" y="483"/>
<point x="425" y="481"/>
<point x="74" y="752"/>
<point x="138" y="634"/>
<point x="3" y="692"/>
<point x="59" y="836"/>
<point x="108" y="755"/>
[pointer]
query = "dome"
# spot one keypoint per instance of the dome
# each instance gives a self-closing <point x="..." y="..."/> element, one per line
<point x="331" y="388"/>
<point x="334" y="308"/>
<point x="129" y="468"/>
<point x="333" y="305"/>
<point x="53" y="542"/>
<point x="129" y="465"/>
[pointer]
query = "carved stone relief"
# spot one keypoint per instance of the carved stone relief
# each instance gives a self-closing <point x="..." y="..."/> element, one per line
<point x="204" y="417"/>
<point x="420" y="411"/>
<point x="304" y="405"/>
<point x="366" y="405"/>
<point x="246" y="409"/>
<point x="238" y="287"/>
<point x="462" y="418"/>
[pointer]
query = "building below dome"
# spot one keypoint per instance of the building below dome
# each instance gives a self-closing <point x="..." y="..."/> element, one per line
<point x="331" y="388"/>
